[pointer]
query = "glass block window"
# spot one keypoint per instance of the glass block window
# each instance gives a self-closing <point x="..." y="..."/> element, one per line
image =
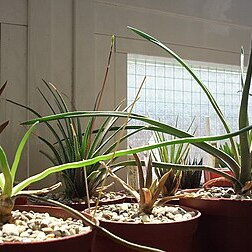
<point x="172" y="96"/>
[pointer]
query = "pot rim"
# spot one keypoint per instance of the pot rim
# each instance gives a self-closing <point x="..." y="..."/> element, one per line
<point x="40" y="207"/>
<point x="189" y="209"/>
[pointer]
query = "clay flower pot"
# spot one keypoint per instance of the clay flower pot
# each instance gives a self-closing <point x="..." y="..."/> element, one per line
<point x="172" y="236"/>
<point x="210" y="175"/>
<point x="80" y="242"/>
<point x="224" y="225"/>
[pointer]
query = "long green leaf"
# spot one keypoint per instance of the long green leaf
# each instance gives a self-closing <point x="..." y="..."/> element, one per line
<point x="58" y="101"/>
<point x="47" y="124"/>
<point x="246" y="161"/>
<point x="119" y="153"/>
<point x="63" y="108"/>
<point x="86" y="138"/>
<point x="188" y="68"/>
<point x="20" y="150"/>
<point x="230" y="162"/>
<point x="8" y="183"/>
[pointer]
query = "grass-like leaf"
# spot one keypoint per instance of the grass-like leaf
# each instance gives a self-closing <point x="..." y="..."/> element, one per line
<point x="7" y="178"/>
<point x="162" y="127"/>
<point x="20" y="150"/>
<point x="201" y="84"/>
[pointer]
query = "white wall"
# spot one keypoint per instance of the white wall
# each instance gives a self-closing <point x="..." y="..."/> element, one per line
<point x="67" y="42"/>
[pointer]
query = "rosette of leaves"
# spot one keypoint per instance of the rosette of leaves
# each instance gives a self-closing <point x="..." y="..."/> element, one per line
<point x="176" y="154"/>
<point x="150" y="189"/>
<point x="191" y="179"/>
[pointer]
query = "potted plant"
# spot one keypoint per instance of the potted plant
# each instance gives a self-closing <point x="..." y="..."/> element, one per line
<point x="74" y="140"/>
<point x="222" y="227"/>
<point x="149" y="216"/>
<point x="241" y="171"/>
<point x="29" y="231"/>
<point x="212" y="179"/>
<point x="177" y="154"/>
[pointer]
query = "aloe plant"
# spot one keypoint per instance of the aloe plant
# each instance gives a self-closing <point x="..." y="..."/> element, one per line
<point x="148" y="195"/>
<point x="191" y="179"/>
<point x="176" y="154"/>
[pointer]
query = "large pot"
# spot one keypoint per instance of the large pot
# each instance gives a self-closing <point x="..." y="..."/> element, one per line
<point x="171" y="237"/>
<point x="80" y="242"/>
<point x="224" y="225"/>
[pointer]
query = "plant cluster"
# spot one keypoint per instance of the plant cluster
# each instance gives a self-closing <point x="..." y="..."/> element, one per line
<point x="240" y="165"/>
<point x="75" y="140"/>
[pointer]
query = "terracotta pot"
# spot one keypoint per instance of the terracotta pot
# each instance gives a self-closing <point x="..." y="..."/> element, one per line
<point x="171" y="237"/>
<point x="224" y="225"/>
<point x="210" y="175"/>
<point x="21" y="201"/>
<point x="80" y="242"/>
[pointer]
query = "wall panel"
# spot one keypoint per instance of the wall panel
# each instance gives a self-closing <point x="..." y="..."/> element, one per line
<point x="13" y="12"/>
<point x="13" y="63"/>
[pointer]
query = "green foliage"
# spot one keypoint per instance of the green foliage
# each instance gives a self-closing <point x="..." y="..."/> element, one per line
<point x="75" y="141"/>
<point x="191" y="179"/>
<point x="183" y="137"/>
<point x="173" y="154"/>
<point x="8" y="192"/>
<point x="241" y="170"/>
<point x="149" y="188"/>
<point x="7" y="177"/>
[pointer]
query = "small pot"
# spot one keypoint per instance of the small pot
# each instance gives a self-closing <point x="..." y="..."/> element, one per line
<point x="80" y="242"/>
<point x="211" y="175"/>
<point x="224" y="225"/>
<point x="172" y="237"/>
